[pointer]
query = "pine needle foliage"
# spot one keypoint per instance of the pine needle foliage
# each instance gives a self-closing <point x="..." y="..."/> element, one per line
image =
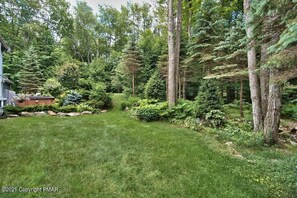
<point x="206" y="33"/>
<point x="231" y="53"/>
<point x="30" y="74"/>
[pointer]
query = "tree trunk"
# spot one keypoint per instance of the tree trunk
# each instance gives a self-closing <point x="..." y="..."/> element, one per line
<point x="272" y="119"/>
<point x="171" y="57"/>
<point x="264" y="80"/>
<point x="166" y="86"/>
<point x="253" y="78"/>
<point x="241" y="99"/>
<point x="177" y="46"/>
<point x="184" y="83"/>
<point x="133" y="84"/>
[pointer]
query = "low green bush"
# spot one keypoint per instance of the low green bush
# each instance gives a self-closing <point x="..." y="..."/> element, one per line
<point x="36" y="108"/>
<point x="130" y="102"/>
<point x="84" y="107"/>
<point x="12" y="110"/>
<point x="68" y="109"/>
<point x="156" y="87"/>
<point x="182" y="110"/>
<point x="151" y="112"/>
<point x="124" y="105"/>
<point x="240" y="136"/>
<point x="209" y="98"/>
<point x="216" y="118"/>
<point x="72" y="98"/>
<point x="189" y="122"/>
<point x="98" y="98"/>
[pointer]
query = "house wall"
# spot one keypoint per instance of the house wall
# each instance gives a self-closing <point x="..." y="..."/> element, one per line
<point x="1" y="78"/>
<point x="35" y="102"/>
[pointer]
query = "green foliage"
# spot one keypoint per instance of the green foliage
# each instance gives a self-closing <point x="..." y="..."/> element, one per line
<point x="289" y="93"/>
<point x="99" y="98"/>
<point x="155" y="87"/>
<point x="215" y="118"/>
<point x="289" y="111"/>
<point x="240" y="137"/>
<point x="68" y="75"/>
<point x="38" y="108"/>
<point x="68" y="109"/>
<point x="182" y="110"/>
<point x="52" y="87"/>
<point x="12" y="110"/>
<point x="131" y="102"/>
<point x="150" y="112"/>
<point x="84" y="107"/>
<point x="72" y="98"/>
<point x="30" y="74"/>
<point x="130" y="66"/>
<point x="208" y="98"/>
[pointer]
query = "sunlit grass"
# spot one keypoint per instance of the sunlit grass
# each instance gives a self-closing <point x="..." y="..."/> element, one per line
<point x="112" y="155"/>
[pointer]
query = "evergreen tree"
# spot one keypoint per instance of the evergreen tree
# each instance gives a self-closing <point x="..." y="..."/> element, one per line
<point x="208" y="29"/>
<point x="156" y="87"/>
<point x="30" y="74"/>
<point x="132" y="62"/>
<point x="281" y="40"/>
<point x="208" y="98"/>
<point x="231" y="56"/>
<point x="68" y="75"/>
<point x="72" y="98"/>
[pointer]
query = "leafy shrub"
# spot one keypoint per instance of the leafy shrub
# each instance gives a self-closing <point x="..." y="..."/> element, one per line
<point x="35" y="108"/>
<point x="191" y="123"/>
<point x="12" y="110"/>
<point x="215" y="118"/>
<point x="134" y="101"/>
<point x="96" y="104"/>
<point x="68" y="109"/>
<point x="68" y="75"/>
<point x="72" y="98"/>
<point x="151" y="112"/>
<point x="131" y="102"/>
<point x="147" y="102"/>
<point x="156" y="87"/>
<point x="182" y="110"/>
<point x="53" y="87"/>
<point x="208" y="98"/>
<point x="289" y="111"/>
<point x="147" y="113"/>
<point x="84" y="107"/>
<point x="240" y="137"/>
<point x="99" y="98"/>
<point x="124" y="105"/>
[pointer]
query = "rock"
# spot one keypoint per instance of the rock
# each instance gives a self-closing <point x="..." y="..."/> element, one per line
<point x="229" y="143"/>
<point x="51" y="113"/>
<point x="293" y="143"/>
<point x="239" y="156"/>
<point x="61" y="114"/>
<point x="293" y="130"/>
<point x="41" y="113"/>
<point x="86" y="113"/>
<point x="72" y="114"/>
<point x="12" y="116"/>
<point x="103" y="111"/>
<point x="26" y="114"/>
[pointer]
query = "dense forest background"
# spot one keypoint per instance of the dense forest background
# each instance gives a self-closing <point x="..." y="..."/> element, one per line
<point x="238" y="51"/>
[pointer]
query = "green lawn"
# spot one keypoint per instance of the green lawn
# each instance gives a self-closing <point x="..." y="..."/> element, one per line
<point x="112" y="155"/>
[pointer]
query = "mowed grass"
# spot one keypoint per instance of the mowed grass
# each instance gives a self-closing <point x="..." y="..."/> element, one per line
<point x="112" y="155"/>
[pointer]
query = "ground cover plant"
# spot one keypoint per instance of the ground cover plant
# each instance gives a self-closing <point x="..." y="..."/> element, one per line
<point x="112" y="155"/>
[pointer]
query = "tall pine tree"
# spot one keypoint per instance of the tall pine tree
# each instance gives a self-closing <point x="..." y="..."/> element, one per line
<point x="132" y="62"/>
<point x="30" y="74"/>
